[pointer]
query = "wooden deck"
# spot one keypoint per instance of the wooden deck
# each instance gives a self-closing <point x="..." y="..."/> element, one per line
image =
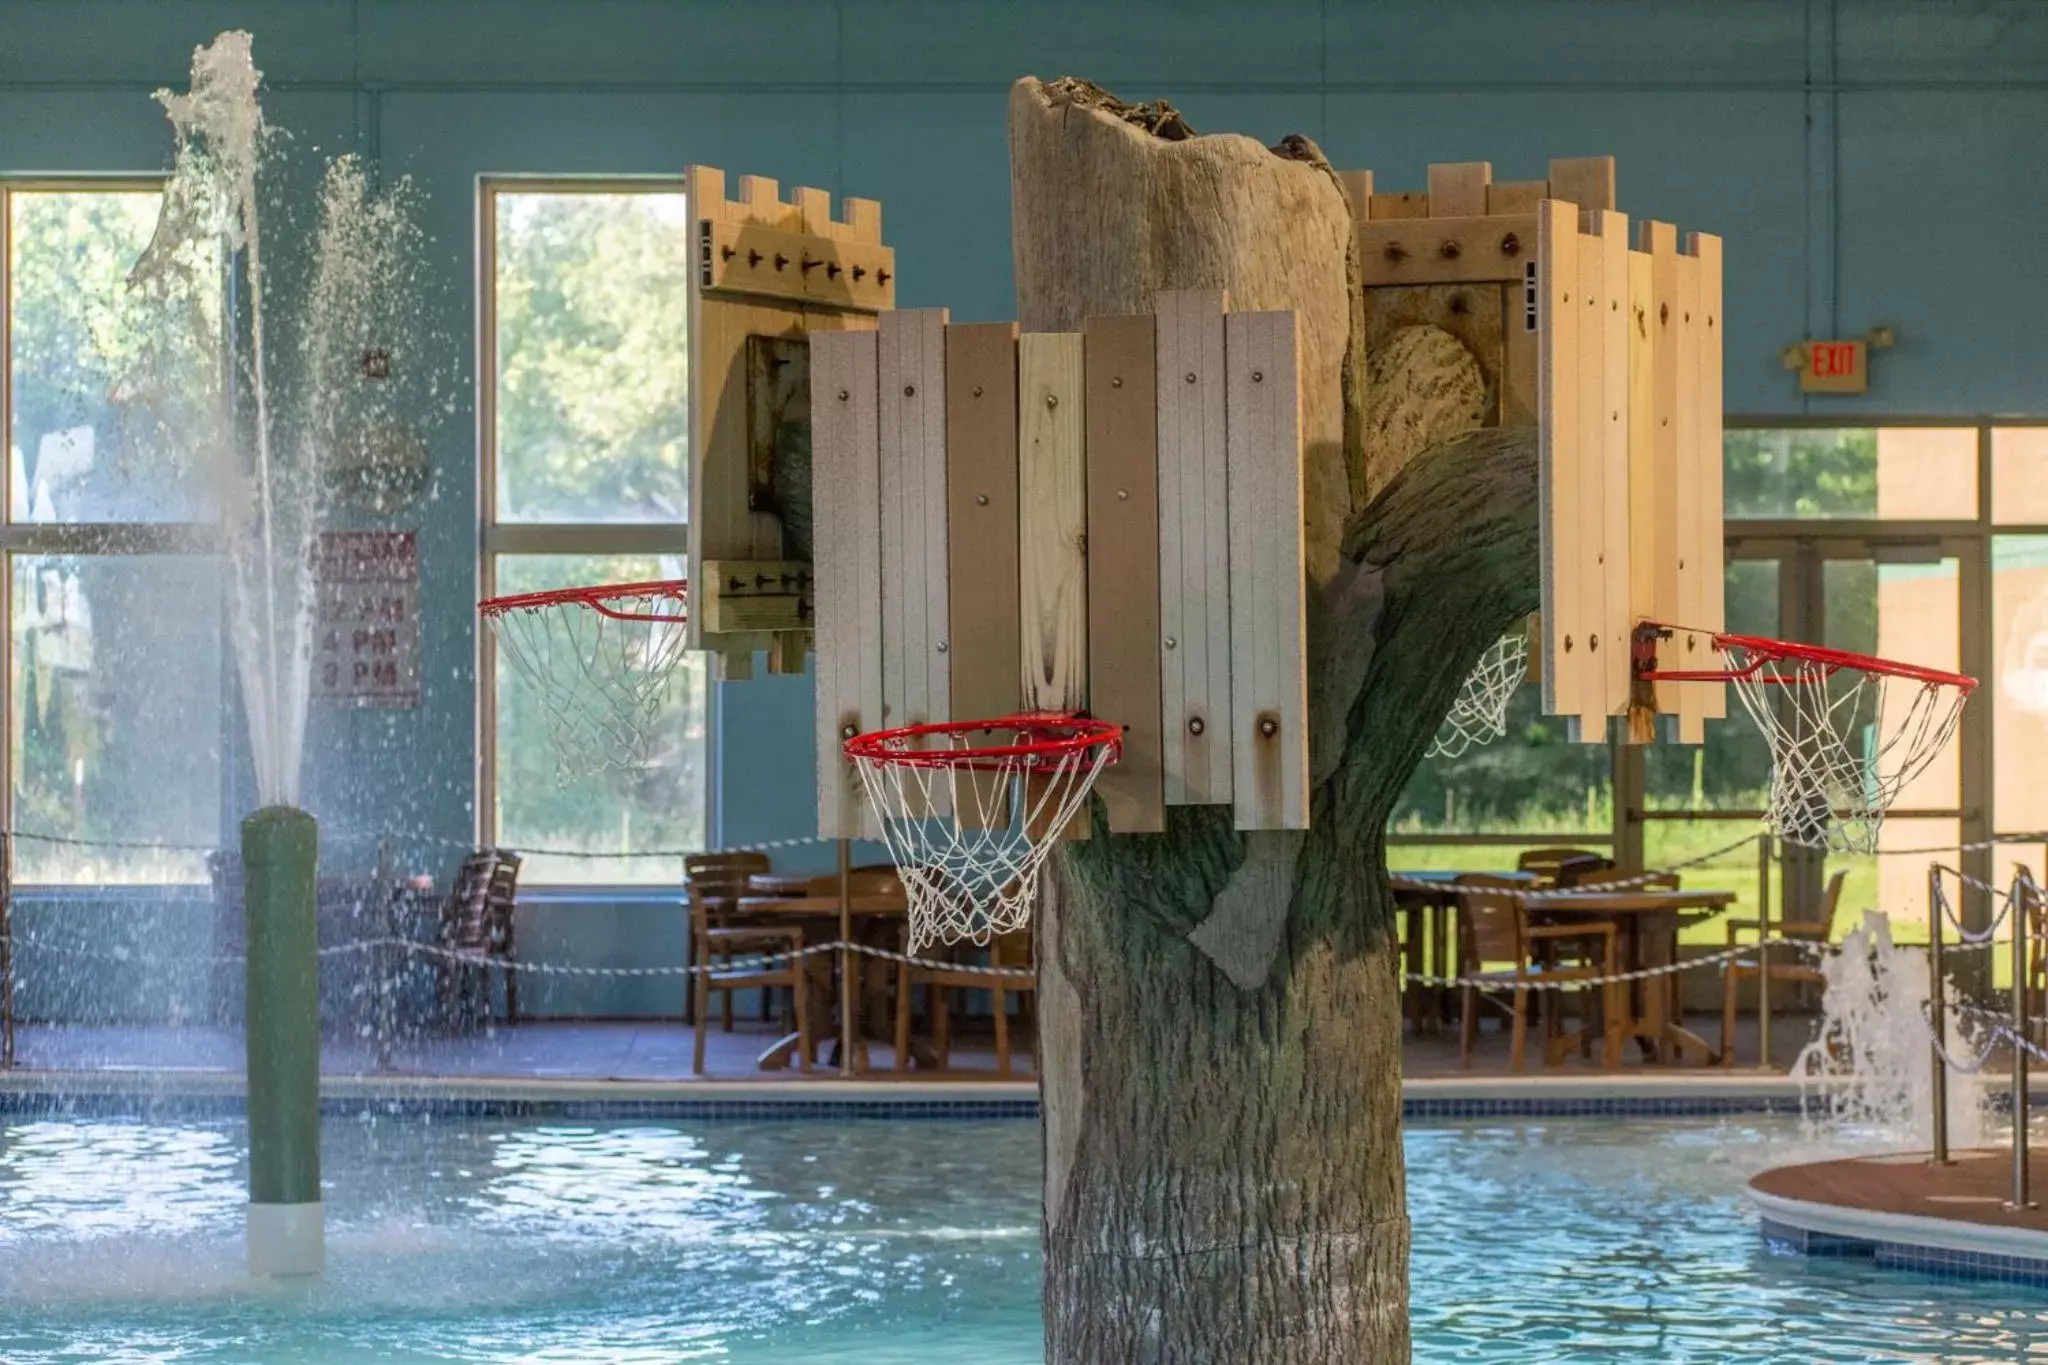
<point x="1972" y="1189"/>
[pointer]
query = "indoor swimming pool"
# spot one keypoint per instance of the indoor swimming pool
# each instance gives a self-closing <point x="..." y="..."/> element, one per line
<point x="645" y="1241"/>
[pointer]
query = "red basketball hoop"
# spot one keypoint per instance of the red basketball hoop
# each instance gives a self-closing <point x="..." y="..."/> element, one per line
<point x="1843" y="743"/>
<point x="600" y="659"/>
<point x="970" y="809"/>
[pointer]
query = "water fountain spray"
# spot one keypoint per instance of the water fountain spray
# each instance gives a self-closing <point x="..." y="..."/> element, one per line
<point x="203" y="371"/>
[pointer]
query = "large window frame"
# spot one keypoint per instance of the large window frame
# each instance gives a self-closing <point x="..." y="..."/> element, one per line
<point x="498" y="538"/>
<point x="1968" y="540"/>
<point x="81" y="539"/>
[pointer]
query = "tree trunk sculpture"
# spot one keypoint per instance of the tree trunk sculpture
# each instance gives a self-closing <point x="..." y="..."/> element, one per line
<point x="1221" y="1029"/>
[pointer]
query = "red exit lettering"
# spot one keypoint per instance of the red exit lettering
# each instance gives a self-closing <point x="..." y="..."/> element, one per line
<point x="1834" y="359"/>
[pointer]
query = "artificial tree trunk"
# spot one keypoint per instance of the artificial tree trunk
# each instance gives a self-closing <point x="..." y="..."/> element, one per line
<point x="1220" y="1027"/>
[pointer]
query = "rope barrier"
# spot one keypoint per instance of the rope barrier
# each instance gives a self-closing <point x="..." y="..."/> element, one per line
<point x="475" y="959"/>
<point x="761" y="846"/>
<point x="1969" y="937"/>
<point x="806" y="840"/>
<point x="1506" y="982"/>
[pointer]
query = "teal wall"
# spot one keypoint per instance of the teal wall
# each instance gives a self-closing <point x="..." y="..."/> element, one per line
<point x="1867" y="162"/>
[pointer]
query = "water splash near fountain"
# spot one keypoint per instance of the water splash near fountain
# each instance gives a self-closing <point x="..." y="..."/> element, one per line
<point x="255" y="403"/>
<point x="261" y="403"/>
<point x="1869" y="1071"/>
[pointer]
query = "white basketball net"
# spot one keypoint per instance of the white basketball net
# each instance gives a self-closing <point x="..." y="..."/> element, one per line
<point x="1480" y="714"/>
<point x="602" y="681"/>
<point x="968" y="840"/>
<point x="1844" y="743"/>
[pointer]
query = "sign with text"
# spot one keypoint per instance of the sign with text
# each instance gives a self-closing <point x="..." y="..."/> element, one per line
<point x="1835" y="367"/>
<point x="366" y="643"/>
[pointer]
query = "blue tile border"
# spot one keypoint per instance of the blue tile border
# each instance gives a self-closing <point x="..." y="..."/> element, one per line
<point x="1941" y="1263"/>
<point x="889" y="1103"/>
<point x="707" y="1110"/>
<point x="1598" y="1106"/>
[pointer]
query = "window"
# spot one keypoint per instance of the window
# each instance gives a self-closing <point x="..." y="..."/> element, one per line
<point x="1887" y="473"/>
<point x="114" y="646"/>
<point x="584" y="428"/>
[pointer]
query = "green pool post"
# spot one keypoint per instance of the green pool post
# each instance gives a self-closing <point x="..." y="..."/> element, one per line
<point x="280" y="858"/>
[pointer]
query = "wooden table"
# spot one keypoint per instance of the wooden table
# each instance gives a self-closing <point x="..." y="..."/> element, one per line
<point x="1428" y="898"/>
<point x="783" y="885"/>
<point x="825" y="909"/>
<point x="1648" y="920"/>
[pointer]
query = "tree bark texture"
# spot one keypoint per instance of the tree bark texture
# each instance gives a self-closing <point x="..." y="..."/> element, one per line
<point x="1220" y="1012"/>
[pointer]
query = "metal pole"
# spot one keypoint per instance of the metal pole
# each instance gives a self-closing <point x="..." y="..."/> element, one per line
<point x="2020" y="907"/>
<point x="847" y="983"/>
<point x="280" y="858"/>
<point x="1939" y="1064"/>
<point x="1763" y="950"/>
<point x="6" y="952"/>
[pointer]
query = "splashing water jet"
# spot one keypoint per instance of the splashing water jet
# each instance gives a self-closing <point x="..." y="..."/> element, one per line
<point x="1871" y="1068"/>
<point x="199" y="369"/>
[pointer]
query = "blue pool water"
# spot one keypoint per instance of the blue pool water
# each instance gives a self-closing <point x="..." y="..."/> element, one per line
<point x="1535" y="1240"/>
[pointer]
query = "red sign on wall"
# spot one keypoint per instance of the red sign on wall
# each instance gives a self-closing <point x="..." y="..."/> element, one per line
<point x="366" y="641"/>
<point x="1835" y="367"/>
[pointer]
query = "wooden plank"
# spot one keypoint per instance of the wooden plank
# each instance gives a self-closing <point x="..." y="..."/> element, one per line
<point x="1052" y="533"/>
<point x="738" y="596"/>
<point x="762" y="200"/>
<point x="1616" y="623"/>
<point x="1588" y="486"/>
<point x="981" y="496"/>
<point x="1405" y="204"/>
<point x="912" y="425"/>
<point x="1642" y="446"/>
<point x="1194" y="550"/>
<point x="1123" y="563"/>
<point x="1662" y="243"/>
<point x="1458" y="189"/>
<point x="704" y="192"/>
<point x="1268" y="667"/>
<point x="1587" y="181"/>
<point x="863" y="218"/>
<point x="1558" y="402"/>
<point x="846" y="541"/>
<point x="1519" y="359"/>
<point x="747" y="258"/>
<point x="1516" y="196"/>
<point x="721" y="524"/>
<point x="1358" y="188"/>
<point x="1445" y="250"/>
<point x="1694" y="646"/>
<point x="1708" y="496"/>
<point x="1052" y="520"/>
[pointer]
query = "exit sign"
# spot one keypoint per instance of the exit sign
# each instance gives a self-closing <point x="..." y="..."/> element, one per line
<point x="1835" y="367"/>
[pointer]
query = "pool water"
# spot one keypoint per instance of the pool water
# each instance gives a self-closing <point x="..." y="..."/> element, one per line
<point x="1535" y="1240"/>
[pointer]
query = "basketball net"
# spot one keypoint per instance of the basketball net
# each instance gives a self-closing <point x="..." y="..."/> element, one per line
<point x="600" y="667"/>
<point x="1480" y="713"/>
<point x="970" y="827"/>
<point x="1844" y="742"/>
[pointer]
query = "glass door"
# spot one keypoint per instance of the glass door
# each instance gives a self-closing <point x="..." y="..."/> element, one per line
<point x="1869" y="593"/>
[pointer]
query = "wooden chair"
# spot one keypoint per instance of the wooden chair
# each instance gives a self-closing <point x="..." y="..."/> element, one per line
<point x="726" y="948"/>
<point x="723" y="877"/>
<point x="1494" y="927"/>
<point x="1004" y="951"/>
<point x="1803" y="968"/>
<point x="476" y="922"/>
<point x="1544" y="862"/>
<point x="1585" y="868"/>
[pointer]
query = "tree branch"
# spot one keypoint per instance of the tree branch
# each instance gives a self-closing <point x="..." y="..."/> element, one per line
<point x="1454" y="539"/>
